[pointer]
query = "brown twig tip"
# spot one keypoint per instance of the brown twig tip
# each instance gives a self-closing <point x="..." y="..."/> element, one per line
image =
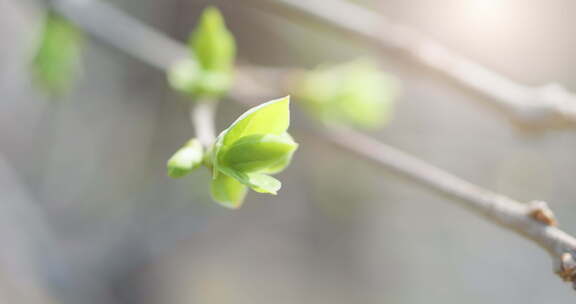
<point x="567" y="269"/>
<point x="540" y="211"/>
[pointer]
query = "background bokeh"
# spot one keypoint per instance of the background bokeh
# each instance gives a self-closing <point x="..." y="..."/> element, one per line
<point x="87" y="214"/>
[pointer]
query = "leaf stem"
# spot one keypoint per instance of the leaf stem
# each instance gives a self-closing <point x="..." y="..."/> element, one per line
<point x="202" y="118"/>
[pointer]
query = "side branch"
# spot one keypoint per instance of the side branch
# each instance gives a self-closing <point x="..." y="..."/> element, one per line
<point x="546" y="106"/>
<point x="534" y="221"/>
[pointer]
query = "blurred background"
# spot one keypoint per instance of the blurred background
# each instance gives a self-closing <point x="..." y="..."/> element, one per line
<point x="88" y="215"/>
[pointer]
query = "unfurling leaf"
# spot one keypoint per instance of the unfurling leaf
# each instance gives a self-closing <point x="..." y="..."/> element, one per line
<point x="186" y="159"/>
<point x="355" y="93"/>
<point x="257" y="152"/>
<point x="255" y="145"/>
<point x="58" y="54"/>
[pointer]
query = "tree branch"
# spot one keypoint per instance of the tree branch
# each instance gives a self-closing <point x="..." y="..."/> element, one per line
<point x="534" y="221"/>
<point x="122" y="31"/>
<point x="546" y="106"/>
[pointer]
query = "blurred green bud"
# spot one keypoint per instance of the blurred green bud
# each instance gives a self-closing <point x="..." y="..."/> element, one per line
<point x="212" y="43"/>
<point x="183" y="76"/>
<point x="209" y="74"/>
<point x="58" y="54"/>
<point x="357" y="94"/>
<point x="186" y="159"/>
<point x="255" y="145"/>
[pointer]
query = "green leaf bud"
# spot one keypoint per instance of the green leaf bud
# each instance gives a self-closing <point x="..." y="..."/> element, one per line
<point x="212" y="43"/>
<point x="186" y="159"/>
<point x="214" y="47"/>
<point x="183" y="76"/>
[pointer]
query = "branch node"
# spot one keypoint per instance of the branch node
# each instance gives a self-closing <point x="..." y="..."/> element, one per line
<point x="540" y="211"/>
<point x="567" y="269"/>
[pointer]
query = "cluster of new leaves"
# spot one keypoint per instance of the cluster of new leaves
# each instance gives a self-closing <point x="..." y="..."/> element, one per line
<point x="255" y="145"/>
<point x="58" y="54"/>
<point x="208" y="71"/>
<point x="355" y="93"/>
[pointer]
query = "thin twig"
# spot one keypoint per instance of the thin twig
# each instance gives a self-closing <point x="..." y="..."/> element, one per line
<point x="202" y="118"/>
<point x="546" y="106"/>
<point x="533" y="221"/>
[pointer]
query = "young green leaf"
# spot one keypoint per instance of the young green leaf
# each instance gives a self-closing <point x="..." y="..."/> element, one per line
<point x="58" y="54"/>
<point x="228" y="191"/>
<point x="355" y="93"/>
<point x="257" y="152"/>
<point x="186" y="159"/>
<point x="272" y="117"/>
<point x="280" y="165"/>
<point x="264" y="183"/>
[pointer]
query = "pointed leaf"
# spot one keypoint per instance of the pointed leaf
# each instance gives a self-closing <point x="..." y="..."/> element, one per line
<point x="272" y="117"/>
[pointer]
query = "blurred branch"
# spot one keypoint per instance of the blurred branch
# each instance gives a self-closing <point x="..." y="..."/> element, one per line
<point x="533" y="221"/>
<point x="546" y="106"/>
<point x="122" y="31"/>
